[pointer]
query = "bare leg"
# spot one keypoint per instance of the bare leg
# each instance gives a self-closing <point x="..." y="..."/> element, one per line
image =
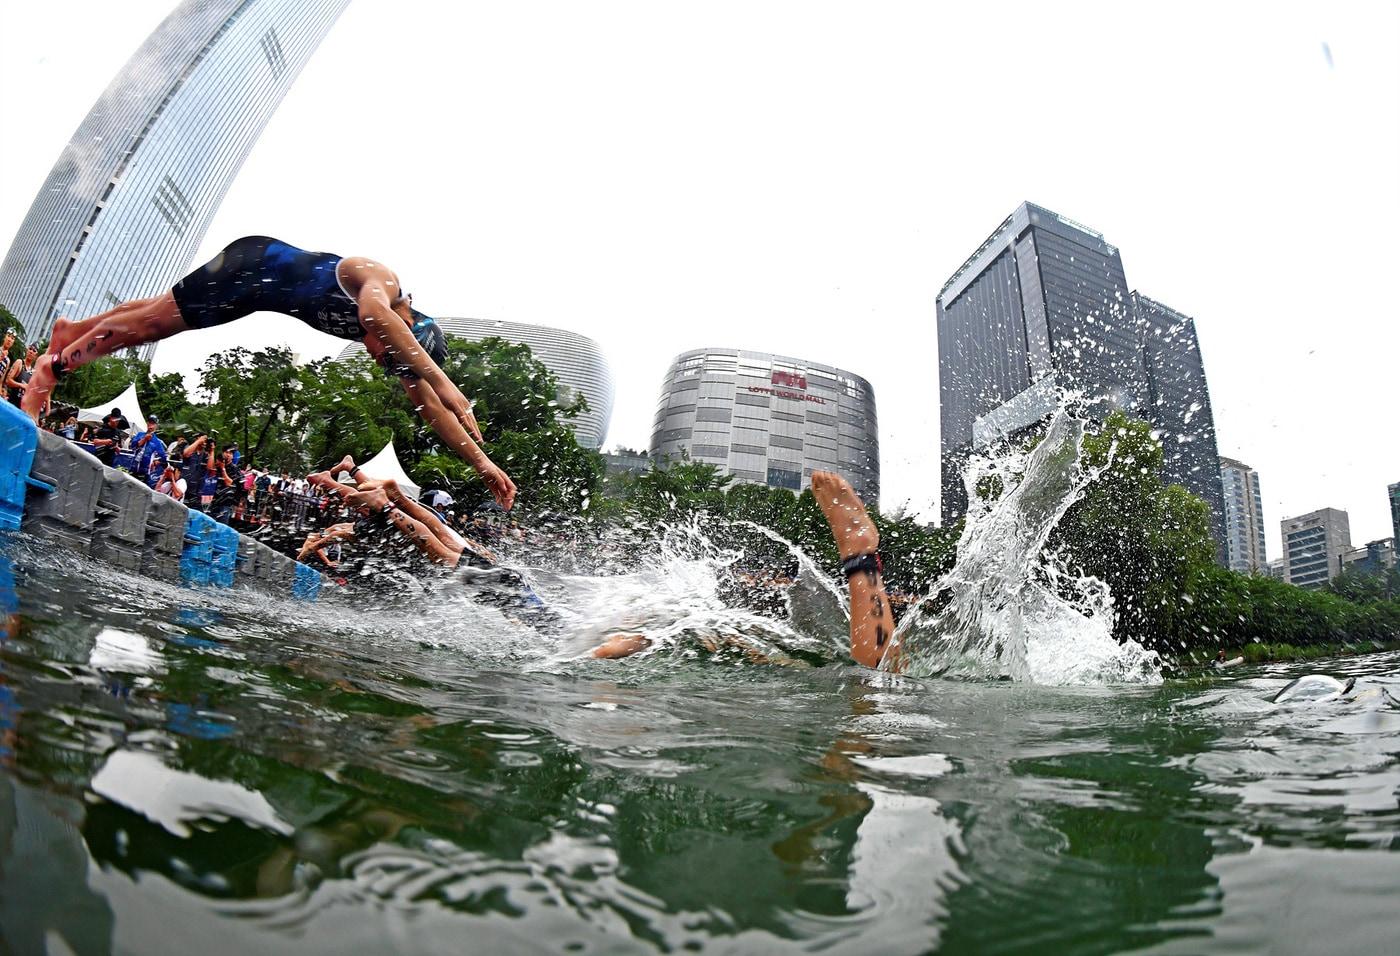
<point x="422" y="513"/>
<point x="317" y="540"/>
<point x="872" y="620"/>
<point x="424" y="539"/>
<point x="376" y="500"/>
<point x="326" y="480"/>
<point x="621" y="645"/>
<point x="451" y="431"/>
<point x="66" y="330"/>
<point x="128" y="325"/>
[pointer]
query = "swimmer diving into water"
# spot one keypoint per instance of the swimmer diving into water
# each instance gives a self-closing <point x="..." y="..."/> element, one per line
<point x="350" y="297"/>
<point x="384" y="504"/>
<point x="857" y="542"/>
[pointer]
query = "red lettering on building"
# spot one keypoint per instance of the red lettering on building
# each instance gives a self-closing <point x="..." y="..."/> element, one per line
<point x="795" y="396"/>
<point x="790" y="379"/>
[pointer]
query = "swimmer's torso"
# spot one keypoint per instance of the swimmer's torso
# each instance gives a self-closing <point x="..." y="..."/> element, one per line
<point x="304" y="284"/>
<point x="262" y="274"/>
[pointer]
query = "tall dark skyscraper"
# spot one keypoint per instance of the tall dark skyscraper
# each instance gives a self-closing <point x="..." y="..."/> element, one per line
<point x="1044" y="303"/>
<point x="1178" y="404"/>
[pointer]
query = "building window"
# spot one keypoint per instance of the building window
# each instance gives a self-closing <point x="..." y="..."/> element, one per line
<point x="272" y="49"/>
<point x="783" y="478"/>
<point x="173" y="206"/>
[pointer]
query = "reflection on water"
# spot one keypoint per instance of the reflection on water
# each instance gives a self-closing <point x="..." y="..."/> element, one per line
<point x="202" y="772"/>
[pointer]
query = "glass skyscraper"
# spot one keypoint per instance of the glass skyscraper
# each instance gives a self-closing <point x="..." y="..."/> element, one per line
<point x="1178" y="405"/>
<point x="125" y="207"/>
<point x="1044" y="304"/>
<point x="769" y="419"/>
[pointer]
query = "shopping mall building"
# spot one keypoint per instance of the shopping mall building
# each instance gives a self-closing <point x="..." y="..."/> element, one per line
<point x="769" y="419"/>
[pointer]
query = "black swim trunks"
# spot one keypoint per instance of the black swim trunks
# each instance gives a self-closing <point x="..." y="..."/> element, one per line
<point x="261" y="274"/>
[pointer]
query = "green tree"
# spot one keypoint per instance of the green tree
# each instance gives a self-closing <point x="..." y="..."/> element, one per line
<point x="166" y="399"/>
<point x="256" y="394"/>
<point x="1149" y="541"/>
<point x="99" y="381"/>
<point x="1367" y="586"/>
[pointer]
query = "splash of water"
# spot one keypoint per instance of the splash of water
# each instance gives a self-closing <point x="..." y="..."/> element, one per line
<point x="1006" y="609"/>
<point x="675" y="595"/>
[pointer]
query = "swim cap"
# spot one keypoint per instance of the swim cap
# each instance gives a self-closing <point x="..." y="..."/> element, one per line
<point x="430" y="335"/>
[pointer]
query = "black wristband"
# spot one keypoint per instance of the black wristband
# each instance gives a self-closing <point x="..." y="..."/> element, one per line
<point x="862" y="562"/>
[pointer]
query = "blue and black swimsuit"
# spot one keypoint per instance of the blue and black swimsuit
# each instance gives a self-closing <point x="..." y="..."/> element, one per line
<point x="261" y="274"/>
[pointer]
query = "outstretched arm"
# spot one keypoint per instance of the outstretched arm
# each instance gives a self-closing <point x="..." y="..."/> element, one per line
<point x="872" y="619"/>
<point x="381" y="321"/>
<point x="449" y="428"/>
<point x="316" y="541"/>
<point x="386" y="330"/>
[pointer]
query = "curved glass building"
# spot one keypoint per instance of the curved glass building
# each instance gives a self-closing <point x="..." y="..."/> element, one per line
<point x="125" y="207"/>
<point x="575" y="360"/>
<point x="769" y="419"/>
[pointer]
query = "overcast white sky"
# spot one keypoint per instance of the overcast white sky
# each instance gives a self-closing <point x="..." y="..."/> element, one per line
<point x="802" y="177"/>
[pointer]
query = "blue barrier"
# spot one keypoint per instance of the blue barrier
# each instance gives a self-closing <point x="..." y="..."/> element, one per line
<point x="18" y="439"/>
<point x="197" y="561"/>
<point x="225" y="556"/>
<point x="53" y="488"/>
<point x="306" y="584"/>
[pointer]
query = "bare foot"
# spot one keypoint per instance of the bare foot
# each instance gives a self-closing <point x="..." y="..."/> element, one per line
<point x="621" y="645"/>
<point x="347" y="464"/>
<point x="61" y="336"/>
<point x="850" y="525"/>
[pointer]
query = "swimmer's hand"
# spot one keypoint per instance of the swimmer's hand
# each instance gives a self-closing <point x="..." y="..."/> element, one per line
<point x="461" y="408"/>
<point x="498" y="483"/>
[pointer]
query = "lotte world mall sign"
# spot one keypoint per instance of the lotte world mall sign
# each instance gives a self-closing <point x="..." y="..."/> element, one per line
<point x="789" y="380"/>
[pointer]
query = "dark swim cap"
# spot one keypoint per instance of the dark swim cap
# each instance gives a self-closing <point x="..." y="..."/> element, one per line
<point x="430" y="335"/>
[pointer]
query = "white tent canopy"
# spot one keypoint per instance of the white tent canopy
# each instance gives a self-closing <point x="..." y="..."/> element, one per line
<point x="386" y="465"/>
<point x="126" y="401"/>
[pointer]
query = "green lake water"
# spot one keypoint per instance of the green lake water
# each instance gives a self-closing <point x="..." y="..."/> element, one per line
<point x="203" y="773"/>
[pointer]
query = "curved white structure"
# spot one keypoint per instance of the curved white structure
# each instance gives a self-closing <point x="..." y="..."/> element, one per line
<point x="125" y="207"/>
<point x="769" y="419"/>
<point x="575" y="360"/>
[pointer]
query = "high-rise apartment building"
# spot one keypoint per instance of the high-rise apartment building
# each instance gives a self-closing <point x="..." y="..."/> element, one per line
<point x="125" y="207"/>
<point x="1394" y="491"/>
<point x="1244" y="517"/>
<point x="1044" y="304"/>
<point x="769" y="419"/>
<point x="1313" y="545"/>
<point x="578" y="363"/>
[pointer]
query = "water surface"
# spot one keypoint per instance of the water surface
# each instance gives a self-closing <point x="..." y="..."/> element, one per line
<point x="222" y="773"/>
